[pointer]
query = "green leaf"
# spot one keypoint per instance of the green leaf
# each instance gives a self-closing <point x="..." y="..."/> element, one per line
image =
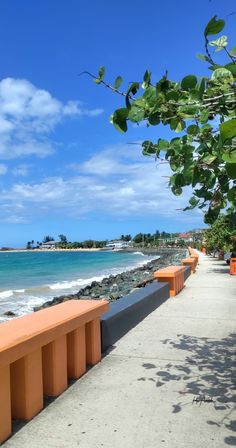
<point x="100" y="77"/>
<point x="209" y="158"/>
<point x="220" y="42"/>
<point x="204" y="116"/>
<point x="231" y="170"/>
<point x="205" y="128"/>
<point x="211" y="215"/>
<point x="202" y="57"/>
<point x="101" y="72"/>
<point x="172" y="95"/>
<point x="232" y="68"/>
<point x="150" y="95"/>
<point x="231" y="195"/>
<point x="193" y="129"/>
<point x="163" y="144"/>
<point x="201" y="89"/>
<point x="163" y="85"/>
<point x="193" y="203"/>
<point x="118" y="82"/>
<point x="136" y="114"/>
<point x="188" y="111"/>
<point x="148" y="148"/>
<point x="229" y="157"/>
<point x="223" y="75"/>
<point x="179" y="180"/>
<point x="196" y="177"/>
<point x="214" y="67"/>
<point x="214" y="26"/>
<point x="140" y="102"/>
<point x="146" y="79"/>
<point x="233" y="51"/>
<point x="132" y="89"/>
<point x="119" y="119"/>
<point x="189" y="82"/>
<point x="228" y="130"/>
<point x="154" y="119"/>
<point x="177" y="125"/>
<point x="177" y="191"/>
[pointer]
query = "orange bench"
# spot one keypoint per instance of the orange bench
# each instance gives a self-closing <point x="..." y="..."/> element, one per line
<point x="40" y="351"/>
<point x="174" y="275"/>
<point x="193" y="254"/>
<point x="190" y="262"/>
<point x="232" y="266"/>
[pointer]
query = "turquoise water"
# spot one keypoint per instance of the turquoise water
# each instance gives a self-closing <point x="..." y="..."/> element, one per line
<point x="28" y="279"/>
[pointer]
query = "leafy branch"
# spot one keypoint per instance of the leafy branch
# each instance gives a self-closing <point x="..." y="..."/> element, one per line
<point x="202" y="109"/>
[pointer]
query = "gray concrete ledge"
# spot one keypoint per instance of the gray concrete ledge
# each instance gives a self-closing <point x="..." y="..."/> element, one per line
<point x="127" y="312"/>
<point x="187" y="273"/>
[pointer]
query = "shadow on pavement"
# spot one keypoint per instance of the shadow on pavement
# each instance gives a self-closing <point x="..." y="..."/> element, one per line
<point x="208" y="373"/>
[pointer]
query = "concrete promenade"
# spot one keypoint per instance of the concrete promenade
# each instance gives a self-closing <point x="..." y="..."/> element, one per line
<point x="145" y="392"/>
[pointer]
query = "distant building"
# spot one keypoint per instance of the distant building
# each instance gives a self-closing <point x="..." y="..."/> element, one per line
<point x="49" y="245"/>
<point x="118" y="244"/>
<point x="185" y="237"/>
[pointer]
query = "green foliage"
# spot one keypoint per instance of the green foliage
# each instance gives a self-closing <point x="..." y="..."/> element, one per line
<point x="48" y="238"/>
<point x="214" y="26"/>
<point x="63" y="238"/>
<point x="203" y="111"/>
<point x="219" y="236"/>
<point x="101" y="73"/>
<point x="127" y="237"/>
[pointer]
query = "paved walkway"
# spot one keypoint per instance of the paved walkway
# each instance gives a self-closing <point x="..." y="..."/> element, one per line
<point x="142" y="394"/>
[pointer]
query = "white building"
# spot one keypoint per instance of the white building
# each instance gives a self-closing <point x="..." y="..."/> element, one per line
<point x="119" y="244"/>
<point x="49" y="245"/>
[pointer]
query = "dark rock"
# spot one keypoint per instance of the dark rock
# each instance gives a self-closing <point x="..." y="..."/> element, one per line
<point x="9" y="314"/>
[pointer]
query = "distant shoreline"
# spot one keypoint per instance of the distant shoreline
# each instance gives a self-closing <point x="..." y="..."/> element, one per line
<point x="93" y="249"/>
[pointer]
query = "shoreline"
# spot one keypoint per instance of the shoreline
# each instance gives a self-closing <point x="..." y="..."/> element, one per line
<point x="113" y="287"/>
<point x="93" y="249"/>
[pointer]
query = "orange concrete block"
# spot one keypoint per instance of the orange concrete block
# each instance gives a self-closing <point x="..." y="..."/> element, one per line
<point x="5" y="403"/>
<point x="232" y="266"/>
<point x="27" y="386"/>
<point x="93" y="342"/>
<point x="193" y="254"/>
<point x="55" y="367"/>
<point x="23" y="335"/>
<point x="40" y="350"/>
<point x="174" y="275"/>
<point x="76" y="353"/>
<point x="190" y="262"/>
<point x="195" y="257"/>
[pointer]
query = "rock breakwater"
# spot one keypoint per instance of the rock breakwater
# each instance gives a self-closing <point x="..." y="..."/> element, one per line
<point x="116" y="286"/>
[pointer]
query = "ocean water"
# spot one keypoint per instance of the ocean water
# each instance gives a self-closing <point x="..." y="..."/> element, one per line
<point x="28" y="279"/>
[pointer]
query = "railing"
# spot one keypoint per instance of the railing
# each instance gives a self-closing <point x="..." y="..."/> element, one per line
<point x="40" y="351"/>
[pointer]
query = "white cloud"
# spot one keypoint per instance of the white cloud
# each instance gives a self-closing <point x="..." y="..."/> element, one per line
<point x="28" y="115"/>
<point x="118" y="181"/>
<point x="93" y="112"/>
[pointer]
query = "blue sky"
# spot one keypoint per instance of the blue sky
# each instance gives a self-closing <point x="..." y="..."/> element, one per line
<point x="63" y="167"/>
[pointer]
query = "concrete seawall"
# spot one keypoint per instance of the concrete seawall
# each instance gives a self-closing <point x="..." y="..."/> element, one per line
<point x="170" y="381"/>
